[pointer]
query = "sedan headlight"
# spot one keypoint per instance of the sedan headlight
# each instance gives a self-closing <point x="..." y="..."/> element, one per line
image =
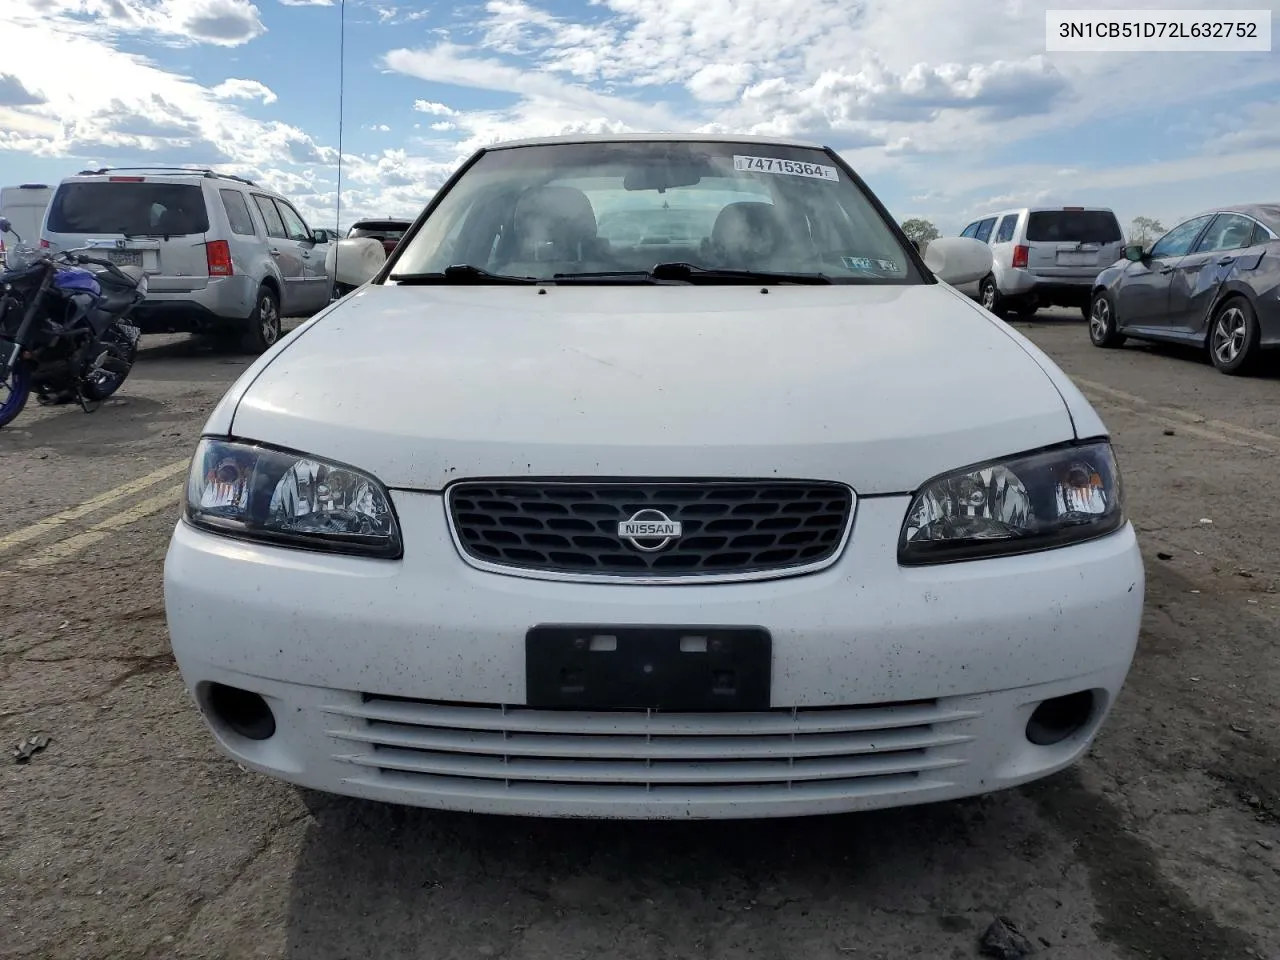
<point x="259" y="493"/>
<point x="1035" y="502"/>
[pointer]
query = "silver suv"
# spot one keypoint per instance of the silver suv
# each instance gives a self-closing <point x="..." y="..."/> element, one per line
<point x="222" y="255"/>
<point x="1044" y="256"/>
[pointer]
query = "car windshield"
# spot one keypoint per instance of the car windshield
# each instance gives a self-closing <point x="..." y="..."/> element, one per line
<point x="616" y="209"/>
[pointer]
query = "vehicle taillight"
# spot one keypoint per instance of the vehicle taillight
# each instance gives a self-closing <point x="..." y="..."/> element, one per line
<point x="44" y="244"/>
<point x="218" y="254"/>
<point x="1020" y="255"/>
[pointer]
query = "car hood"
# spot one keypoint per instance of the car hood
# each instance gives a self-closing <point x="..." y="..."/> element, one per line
<point x="881" y="387"/>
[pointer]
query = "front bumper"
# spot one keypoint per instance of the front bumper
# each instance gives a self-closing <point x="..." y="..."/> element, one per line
<point x="403" y="681"/>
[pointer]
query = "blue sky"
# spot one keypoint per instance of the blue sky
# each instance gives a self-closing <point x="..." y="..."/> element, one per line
<point x="948" y="108"/>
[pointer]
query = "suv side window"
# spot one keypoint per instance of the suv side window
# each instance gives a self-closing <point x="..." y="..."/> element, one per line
<point x="984" y="229"/>
<point x="270" y="216"/>
<point x="238" y="213"/>
<point x="971" y="230"/>
<point x="1178" y="241"/>
<point x="294" y="225"/>
<point x="1007" y="226"/>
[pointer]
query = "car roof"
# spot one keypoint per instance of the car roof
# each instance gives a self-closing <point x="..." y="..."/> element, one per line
<point x="177" y="174"/>
<point x="654" y="138"/>
<point x="1064" y="208"/>
<point x="1266" y="213"/>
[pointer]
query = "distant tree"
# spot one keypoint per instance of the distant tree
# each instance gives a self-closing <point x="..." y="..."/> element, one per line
<point x="1145" y="230"/>
<point x="920" y="230"/>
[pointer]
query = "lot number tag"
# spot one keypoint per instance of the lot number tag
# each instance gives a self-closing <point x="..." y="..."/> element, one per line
<point x="793" y="167"/>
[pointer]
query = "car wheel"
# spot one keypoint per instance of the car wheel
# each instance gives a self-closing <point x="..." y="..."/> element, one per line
<point x="988" y="295"/>
<point x="1233" y="336"/>
<point x="264" y="324"/>
<point x="1102" y="322"/>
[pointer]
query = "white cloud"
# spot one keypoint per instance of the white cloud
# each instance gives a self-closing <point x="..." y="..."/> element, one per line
<point x="14" y="93"/>
<point x="234" y="89"/>
<point x="459" y="66"/>
<point x="433" y="108"/>
<point x="717" y="82"/>
<point x="226" y="23"/>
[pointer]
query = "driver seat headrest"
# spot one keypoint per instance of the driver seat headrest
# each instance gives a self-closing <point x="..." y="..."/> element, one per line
<point x="747" y="229"/>
<point x="555" y="223"/>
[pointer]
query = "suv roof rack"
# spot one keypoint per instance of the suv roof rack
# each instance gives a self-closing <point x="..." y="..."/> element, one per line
<point x="202" y="171"/>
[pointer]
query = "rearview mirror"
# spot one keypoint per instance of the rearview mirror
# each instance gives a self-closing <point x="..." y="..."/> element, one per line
<point x="354" y="261"/>
<point x="958" y="260"/>
<point x="663" y="176"/>
<point x="1135" y="252"/>
<point x="5" y="225"/>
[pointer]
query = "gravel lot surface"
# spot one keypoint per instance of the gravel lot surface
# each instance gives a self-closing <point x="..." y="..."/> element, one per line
<point x="129" y="836"/>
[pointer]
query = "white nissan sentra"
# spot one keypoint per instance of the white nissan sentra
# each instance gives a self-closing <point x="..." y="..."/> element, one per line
<point x="656" y="477"/>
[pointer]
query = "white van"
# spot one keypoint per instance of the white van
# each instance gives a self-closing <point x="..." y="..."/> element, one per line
<point x="24" y="206"/>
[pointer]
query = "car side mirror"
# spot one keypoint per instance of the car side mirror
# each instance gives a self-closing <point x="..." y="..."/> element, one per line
<point x="958" y="260"/>
<point x="1135" y="252"/>
<point x="5" y="225"/>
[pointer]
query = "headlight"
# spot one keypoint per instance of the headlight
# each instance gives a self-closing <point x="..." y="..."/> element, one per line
<point x="1035" y="502"/>
<point x="258" y="493"/>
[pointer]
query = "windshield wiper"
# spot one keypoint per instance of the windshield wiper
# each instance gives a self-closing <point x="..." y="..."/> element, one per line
<point x="679" y="270"/>
<point x="458" y="273"/>
<point x="638" y="276"/>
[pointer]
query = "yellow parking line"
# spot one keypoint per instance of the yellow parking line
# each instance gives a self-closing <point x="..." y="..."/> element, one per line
<point x="103" y="529"/>
<point x="1186" y="416"/>
<point x="41" y="527"/>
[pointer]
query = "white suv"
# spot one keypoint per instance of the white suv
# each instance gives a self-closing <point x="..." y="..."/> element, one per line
<point x="223" y="256"/>
<point x="1044" y="256"/>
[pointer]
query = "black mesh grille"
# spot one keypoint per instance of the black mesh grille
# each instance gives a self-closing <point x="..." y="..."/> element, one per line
<point x="727" y="528"/>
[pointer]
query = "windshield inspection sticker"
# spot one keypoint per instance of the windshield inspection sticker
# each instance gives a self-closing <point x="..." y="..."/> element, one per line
<point x="793" y="167"/>
<point x="867" y="263"/>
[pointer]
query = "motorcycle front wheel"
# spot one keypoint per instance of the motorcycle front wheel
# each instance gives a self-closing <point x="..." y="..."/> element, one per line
<point x="14" y="392"/>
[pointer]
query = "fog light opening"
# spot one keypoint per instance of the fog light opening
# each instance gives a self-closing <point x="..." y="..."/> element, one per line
<point x="244" y="713"/>
<point x="1059" y="718"/>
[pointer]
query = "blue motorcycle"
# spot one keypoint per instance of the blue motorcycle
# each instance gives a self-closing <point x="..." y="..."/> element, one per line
<point x="64" y="334"/>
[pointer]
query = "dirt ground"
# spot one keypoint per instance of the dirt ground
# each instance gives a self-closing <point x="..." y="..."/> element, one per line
<point x="129" y="836"/>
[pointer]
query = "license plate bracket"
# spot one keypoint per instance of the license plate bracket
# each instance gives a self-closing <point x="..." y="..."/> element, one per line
<point x="1077" y="259"/>
<point x="125" y="258"/>
<point x="674" y="668"/>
